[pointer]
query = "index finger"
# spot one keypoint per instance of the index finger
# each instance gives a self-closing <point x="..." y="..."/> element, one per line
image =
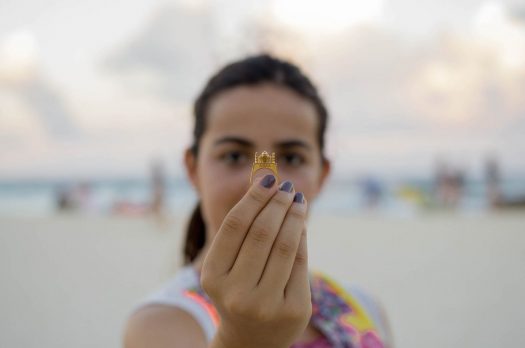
<point x="228" y="240"/>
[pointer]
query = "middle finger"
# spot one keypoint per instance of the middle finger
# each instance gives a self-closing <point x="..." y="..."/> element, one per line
<point x="257" y="245"/>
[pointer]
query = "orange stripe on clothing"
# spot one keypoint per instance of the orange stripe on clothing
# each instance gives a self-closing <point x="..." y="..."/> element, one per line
<point x="207" y="306"/>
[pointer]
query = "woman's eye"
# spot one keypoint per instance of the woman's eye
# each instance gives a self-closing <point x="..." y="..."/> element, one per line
<point x="292" y="159"/>
<point x="234" y="157"/>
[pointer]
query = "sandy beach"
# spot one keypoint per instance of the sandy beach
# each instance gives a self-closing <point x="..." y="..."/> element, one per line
<point x="445" y="280"/>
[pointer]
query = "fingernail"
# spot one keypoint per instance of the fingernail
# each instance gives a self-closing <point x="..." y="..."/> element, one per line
<point x="268" y="181"/>
<point x="286" y="186"/>
<point x="299" y="197"/>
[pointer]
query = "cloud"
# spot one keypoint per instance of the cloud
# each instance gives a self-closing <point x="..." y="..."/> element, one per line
<point x="46" y="105"/>
<point x="172" y="55"/>
<point x="50" y="107"/>
<point x="20" y="76"/>
<point x="376" y="79"/>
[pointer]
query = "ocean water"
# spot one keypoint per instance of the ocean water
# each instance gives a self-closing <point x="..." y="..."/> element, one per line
<point x="401" y="198"/>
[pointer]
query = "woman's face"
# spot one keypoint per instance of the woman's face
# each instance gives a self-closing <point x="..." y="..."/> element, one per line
<point x="249" y="119"/>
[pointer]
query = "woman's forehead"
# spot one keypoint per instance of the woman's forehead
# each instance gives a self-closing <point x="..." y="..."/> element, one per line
<point x="268" y="111"/>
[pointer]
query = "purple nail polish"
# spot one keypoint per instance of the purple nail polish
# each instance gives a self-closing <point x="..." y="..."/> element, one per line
<point x="268" y="181"/>
<point x="286" y="186"/>
<point x="299" y="197"/>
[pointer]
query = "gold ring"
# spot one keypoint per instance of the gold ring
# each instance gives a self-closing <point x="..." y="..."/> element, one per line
<point x="264" y="161"/>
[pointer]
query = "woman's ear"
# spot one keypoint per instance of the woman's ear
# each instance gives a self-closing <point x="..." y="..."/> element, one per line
<point x="190" y="163"/>
<point x="326" y="168"/>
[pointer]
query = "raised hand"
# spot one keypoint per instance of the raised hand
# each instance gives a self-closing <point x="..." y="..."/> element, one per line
<point x="256" y="271"/>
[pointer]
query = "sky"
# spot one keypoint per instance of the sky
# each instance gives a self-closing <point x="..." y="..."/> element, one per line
<point x="103" y="88"/>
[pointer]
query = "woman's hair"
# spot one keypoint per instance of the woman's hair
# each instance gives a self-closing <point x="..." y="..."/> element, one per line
<point x="249" y="71"/>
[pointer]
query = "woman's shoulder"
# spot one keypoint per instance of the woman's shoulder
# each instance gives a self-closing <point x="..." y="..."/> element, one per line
<point x="159" y="326"/>
<point x="173" y="290"/>
<point x="172" y="306"/>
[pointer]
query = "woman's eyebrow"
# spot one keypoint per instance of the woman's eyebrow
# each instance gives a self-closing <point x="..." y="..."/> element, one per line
<point x="292" y="143"/>
<point x="246" y="143"/>
<point x="234" y="139"/>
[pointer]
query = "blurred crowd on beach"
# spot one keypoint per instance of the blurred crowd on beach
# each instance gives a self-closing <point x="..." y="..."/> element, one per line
<point x="449" y="189"/>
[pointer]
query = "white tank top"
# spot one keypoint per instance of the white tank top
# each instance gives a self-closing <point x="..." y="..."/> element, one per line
<point x="171" y="293"/>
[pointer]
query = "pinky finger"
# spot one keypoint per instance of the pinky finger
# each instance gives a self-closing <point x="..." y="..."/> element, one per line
<point x="298" y="285"/>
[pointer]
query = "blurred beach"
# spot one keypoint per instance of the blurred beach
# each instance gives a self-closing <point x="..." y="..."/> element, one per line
<point x="402" y="196"/>
<point x="445" y="279"/>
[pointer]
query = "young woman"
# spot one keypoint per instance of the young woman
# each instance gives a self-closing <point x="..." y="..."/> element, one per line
<point x="245" y="282"/>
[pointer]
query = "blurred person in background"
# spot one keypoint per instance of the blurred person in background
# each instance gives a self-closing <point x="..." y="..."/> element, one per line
<point x="493" y="182"/>
<point x="495" y="197"/>
<point x="245" y="280"/>
<point x="158" y="194"/>
<point x="372" y="192"/>
<point x="450" y="186"/>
